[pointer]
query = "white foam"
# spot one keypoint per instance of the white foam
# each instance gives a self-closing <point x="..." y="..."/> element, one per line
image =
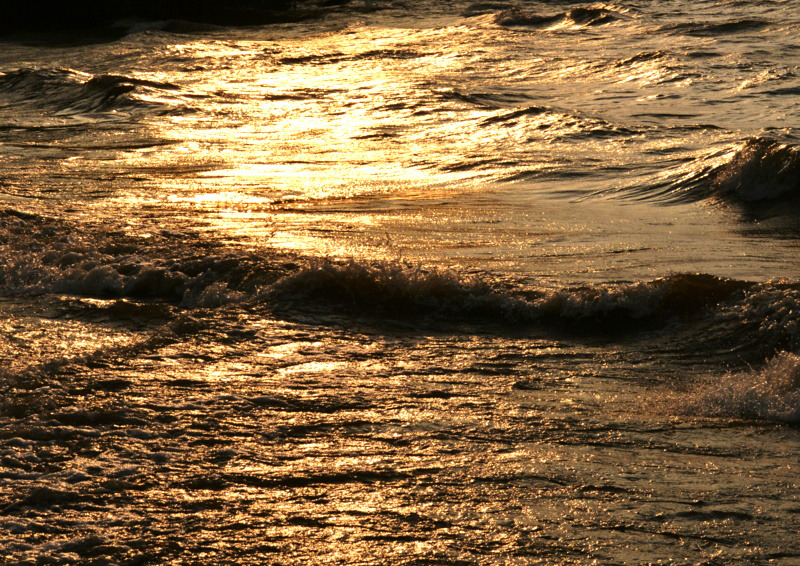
<point x="771" y="393"/>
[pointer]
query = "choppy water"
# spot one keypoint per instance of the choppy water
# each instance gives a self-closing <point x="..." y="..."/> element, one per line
<point x="432" y="283"/>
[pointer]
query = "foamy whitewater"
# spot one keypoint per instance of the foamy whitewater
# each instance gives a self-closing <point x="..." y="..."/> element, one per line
<point x="404" y="282"/>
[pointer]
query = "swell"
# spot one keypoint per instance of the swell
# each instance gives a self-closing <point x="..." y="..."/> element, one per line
<point x="700" y="312"/>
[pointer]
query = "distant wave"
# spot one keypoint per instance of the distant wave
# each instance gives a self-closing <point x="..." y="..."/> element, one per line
<point x="489" y="99"/>
<point x="512" y="109"/>
<point x="338" y="57"/>
<point x="716" y="28"/>
<point x="581" y="17"/>
<point x="558" y="124"/>
<point x="67" y="92"/>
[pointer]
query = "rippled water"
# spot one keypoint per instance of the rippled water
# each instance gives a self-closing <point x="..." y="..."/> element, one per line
<point x="508" y="283"/>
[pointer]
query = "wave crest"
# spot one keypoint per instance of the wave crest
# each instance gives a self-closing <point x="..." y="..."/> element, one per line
<point x="393" y="289"/>
<point x="762" y="169"/>
<point x="738" y="319"/>
<point x="400" y="290"/>
<point x="758" y="170"/>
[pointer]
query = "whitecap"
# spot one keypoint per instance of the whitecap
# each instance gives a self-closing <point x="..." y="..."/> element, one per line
<point x="771" y="393"/>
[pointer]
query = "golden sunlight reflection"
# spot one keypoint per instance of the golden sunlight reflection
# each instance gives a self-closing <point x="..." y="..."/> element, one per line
<point x="316" y="366"/>
<point x="75" y="338"/>
<point x="327" y="131"/>
<point x="366" y="152"/>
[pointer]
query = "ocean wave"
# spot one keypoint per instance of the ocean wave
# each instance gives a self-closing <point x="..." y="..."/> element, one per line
<point x="577" y="17"/>
<point x="392" y="289"/>
<point x="514" y="110"/>
<point x="639" y="58"/>
<point x="758" y="172"/>
<point x="761" y="169"/>
<point x="770" y="393"/>
<point x="67" y="92"/>
<point x="43" y="255"/>
<point x="714" y="29"/>
<point x="511" y="100"/>
<point x="337" y="57"/>
<point x="763" y="320"/>
<point x="556" y="124"/>
<point x="47" y="256"/>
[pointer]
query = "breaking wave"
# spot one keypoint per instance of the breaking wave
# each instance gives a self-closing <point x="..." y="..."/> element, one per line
<point x="758" y="171"/>
<point x="748" y="321"/>
<point x="43" y="256"/>
<point x="770" y="393"/>
<point x="762" y="169"/>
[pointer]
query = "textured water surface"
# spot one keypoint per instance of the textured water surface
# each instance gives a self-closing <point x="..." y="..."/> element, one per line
<point x="503" y="283"/>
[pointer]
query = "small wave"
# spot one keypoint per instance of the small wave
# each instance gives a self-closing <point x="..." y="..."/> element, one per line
<point x="772" y="75"/>
<point x="498" y="100"/>
<point x="339" y="57"/>
<point x="557" y="124"/>
<point x="313" y="59"/>
<point x="392" y="288"/>
<point x="47" y="256"/>
<point x="714" y="29"/>
<point x="577" y="17"/>
<point x="771" y="393"/>
<point x="786" y="91"/>
<point x="762" y="169"/>
<point x="510" y="117"/>
<point x="67" y="92"/>
<point x="36" y="82"/>
<point x="513" y="109"/>
<point x="640" y="58"/>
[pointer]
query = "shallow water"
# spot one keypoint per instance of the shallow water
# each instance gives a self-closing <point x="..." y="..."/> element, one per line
<point x="503" y="284"/>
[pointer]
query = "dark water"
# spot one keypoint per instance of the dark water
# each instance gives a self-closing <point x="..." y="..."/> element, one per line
<point x="411" y="283"/>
